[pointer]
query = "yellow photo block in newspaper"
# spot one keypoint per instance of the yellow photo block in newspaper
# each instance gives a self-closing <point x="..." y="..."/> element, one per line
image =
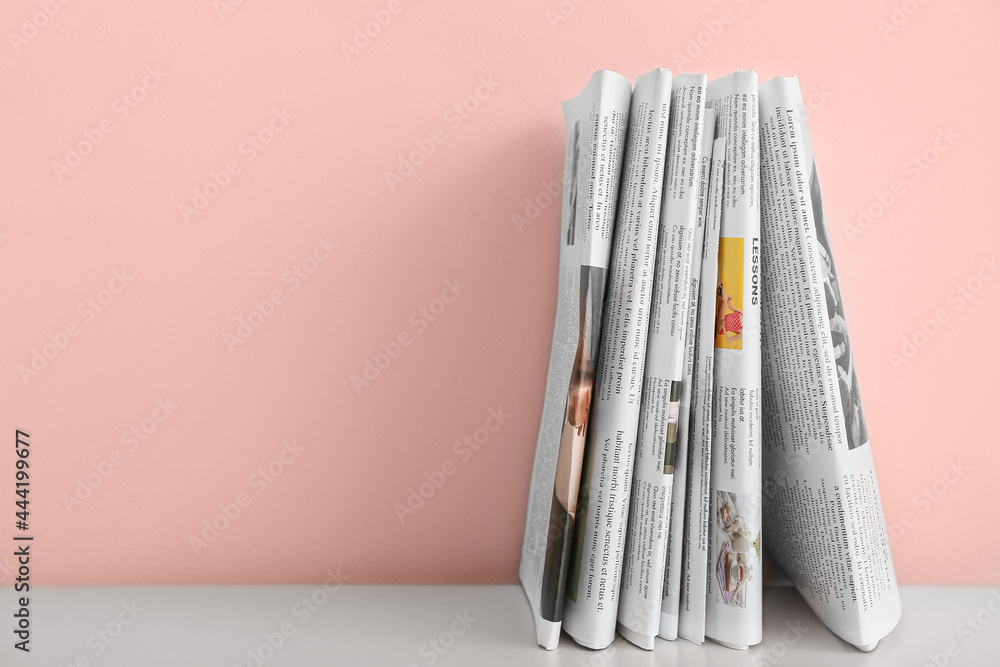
<point x="729" y="295"/>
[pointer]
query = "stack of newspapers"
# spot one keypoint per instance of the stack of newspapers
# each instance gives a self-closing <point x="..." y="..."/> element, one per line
<point x="701" y="402"/>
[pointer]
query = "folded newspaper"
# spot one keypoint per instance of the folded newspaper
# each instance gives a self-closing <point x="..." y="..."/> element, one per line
<point x="701" y="396"/>
<point x="822" y="512"/>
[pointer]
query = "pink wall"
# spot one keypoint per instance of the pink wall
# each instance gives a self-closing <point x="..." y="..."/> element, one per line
<point x="319" y="172"/>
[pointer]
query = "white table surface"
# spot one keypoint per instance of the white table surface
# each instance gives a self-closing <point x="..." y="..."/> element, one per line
<point x="393" y="625"/>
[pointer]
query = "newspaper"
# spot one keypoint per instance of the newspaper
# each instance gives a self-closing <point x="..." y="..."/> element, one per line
<point x="592" y="587"/>
<point x="672" y="566"/>
<point x="673" y="574"/>
<point x="733" y="596"/>
<point x="666" y="378"/>
<point x="823" y="514"/>
<point x="596" y="122"/>
<point x="695" y="572"/>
